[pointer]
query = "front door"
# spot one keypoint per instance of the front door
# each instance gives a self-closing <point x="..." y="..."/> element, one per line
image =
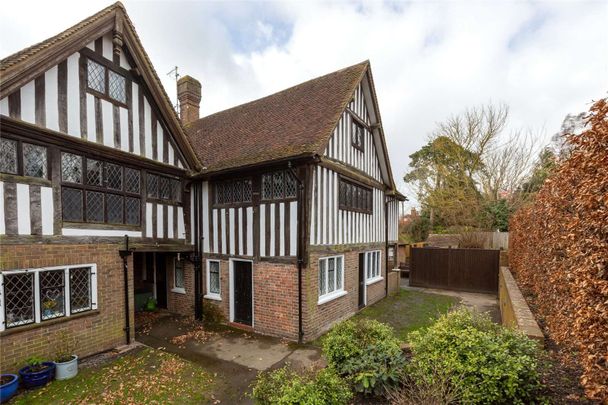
<point x="161" y="281"/>
<point x="361" y="280"/>
<point x="243" y="286"/>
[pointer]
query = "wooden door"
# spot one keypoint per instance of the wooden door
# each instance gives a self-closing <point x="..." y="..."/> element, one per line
<point x="243" y="292"/>
<point x="361" y="280"/>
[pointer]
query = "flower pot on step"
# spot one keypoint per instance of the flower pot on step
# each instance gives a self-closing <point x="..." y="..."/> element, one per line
<point x="67" y="369"/>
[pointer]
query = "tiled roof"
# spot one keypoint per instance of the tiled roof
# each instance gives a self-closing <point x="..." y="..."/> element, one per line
<point x="293" y="122"/>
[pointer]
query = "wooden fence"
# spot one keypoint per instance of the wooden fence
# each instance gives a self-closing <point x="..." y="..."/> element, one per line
<point x="473" y="270"/>
<point x="489" y="240"/>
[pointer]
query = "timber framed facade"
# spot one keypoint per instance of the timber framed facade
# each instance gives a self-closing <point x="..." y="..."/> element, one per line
<point x="108" y="199"/>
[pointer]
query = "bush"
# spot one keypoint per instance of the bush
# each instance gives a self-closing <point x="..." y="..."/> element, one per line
<point x="436" y="389"/>
<point x="366" y="353"/>
<point x="487" y="362"/>
<point x="285" y="386"/>
<point x="212" y="314"/>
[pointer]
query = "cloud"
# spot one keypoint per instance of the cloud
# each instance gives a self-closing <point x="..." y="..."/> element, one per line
<point x="429" y="59"/>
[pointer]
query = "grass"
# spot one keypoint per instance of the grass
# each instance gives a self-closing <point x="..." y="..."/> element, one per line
<point x="145" y="376"/>
<point x="407" y="311"/>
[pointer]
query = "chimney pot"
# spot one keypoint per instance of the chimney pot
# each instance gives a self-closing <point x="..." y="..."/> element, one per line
<point x="189" y="97"/>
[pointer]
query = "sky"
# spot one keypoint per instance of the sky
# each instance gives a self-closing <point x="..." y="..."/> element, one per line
<point x="430" y="59"/>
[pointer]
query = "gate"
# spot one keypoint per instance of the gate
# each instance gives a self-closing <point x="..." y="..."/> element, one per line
<point x="473" y="270"/>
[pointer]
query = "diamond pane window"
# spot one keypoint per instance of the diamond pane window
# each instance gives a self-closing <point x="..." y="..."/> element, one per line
<point x="132" y="177"/>
<point x="238" y="191"/>
<point x="178" y="274"/>
<point x="267" y="187"/>
<point x="94" y="170"/>
<point x="8" y="156"/>
<point x="176" y="186"/>
<point x="71" y="168"/>
<point x="354" y="197"/>
<point x="290" y="185"/>
<point x="322" y="278"/>
<point x="133" y="210"/>
<point x="214" y="277"/>
<point x="115" y="206"/>
<point x="278" y="188"/>
<point x="80" y="289"/>
<point x="71" y="203"/>
<point x="152" y="186"/>
<point x="117" y="87"/>
<point x="34" y="160"/>
<point x="96" y="76"/>
<point x="19" y="299"/>
<point x="165" y="188"/>
<point x="52" y="294"/>
<point x="331" y="275"/>
<point x="94" y="206"/>
<point x="113" y="176"/>
<point x="339" y="279"/>
<point x="247" y="190"/>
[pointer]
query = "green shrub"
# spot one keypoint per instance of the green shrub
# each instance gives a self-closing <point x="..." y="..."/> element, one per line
<point x="212" y="314"/>
<point x="488" y="363"/>
<point x="366" y="353"/>
<point x="285" y="386"/>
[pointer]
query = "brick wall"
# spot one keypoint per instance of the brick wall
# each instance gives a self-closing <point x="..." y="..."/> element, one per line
<point x="94" y="332"/>
<point x="319" y="318"/>
<point x="178" y="302"/>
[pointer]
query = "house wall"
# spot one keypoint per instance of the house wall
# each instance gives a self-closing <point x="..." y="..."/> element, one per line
<point x="318" y="318"/>
<point x="94" y="331"/>
<point x="178" y="302"/>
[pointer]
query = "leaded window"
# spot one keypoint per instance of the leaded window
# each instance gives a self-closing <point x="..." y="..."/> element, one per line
<point x="354" y="197"/>
<point x="132" y="177"/>
<point x="178" y="275"/>
<point x="19" y="301"/>
<point x="279" y="185"/>
<point x="34" y="160"/>
<point x="94" y="172"/>
<point x="8" y="156"/>
<point x="117" y="87"/>
<point x="95" y="211"/>
<point x="115" y="206"/>
<point x="52" y="294"/>
<point x="96" y="76"/>
<point x="113" y="176"/>
<point x="37" y="295"/>
<point x="176" y="190"/>
<point x="232" y="192"/>
<point x="357" y="136"/>
<point x="165" y="188"/>
<point x="152" y="185"/>
<point x="132" y="210"/>
<point x="213" y="279"/>
<point x="71" y="168"/>
<point x="71" y="203"/>
<point x="331" y="278"/>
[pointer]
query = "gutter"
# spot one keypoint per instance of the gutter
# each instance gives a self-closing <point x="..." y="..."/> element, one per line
<point x="299" y="249"/>
<point x="204" y="174"/>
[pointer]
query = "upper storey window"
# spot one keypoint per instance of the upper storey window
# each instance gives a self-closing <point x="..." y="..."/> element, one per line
<point x="106" y="82"/>
<point x="24" y="159"/>
<point x="232" y="192"/>
<point x="357" y="135"/>
<point x="278" y="185"/>
<point x="353" y="197"/>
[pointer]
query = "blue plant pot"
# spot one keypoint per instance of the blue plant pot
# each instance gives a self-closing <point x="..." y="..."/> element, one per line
<point x="39" y="378"/>
<point x="8" y="390"/>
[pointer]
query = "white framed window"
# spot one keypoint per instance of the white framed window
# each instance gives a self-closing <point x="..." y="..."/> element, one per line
<point x="30" y="296"/>
<point x="373" y="271"/>
<point x="178" y="276"/>
<point x="331" y="278"/>
<point x="214" y="289"/>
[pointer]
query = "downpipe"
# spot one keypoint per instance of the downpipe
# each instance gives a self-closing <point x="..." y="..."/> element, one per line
<point x="299" y="253"/>
<point x="124" y="254"/>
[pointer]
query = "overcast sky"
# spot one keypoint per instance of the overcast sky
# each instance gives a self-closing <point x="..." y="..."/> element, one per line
<point x="429" y="59"/>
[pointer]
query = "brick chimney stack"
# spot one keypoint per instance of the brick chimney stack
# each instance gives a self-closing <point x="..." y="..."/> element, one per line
<point x="189" y="96"/>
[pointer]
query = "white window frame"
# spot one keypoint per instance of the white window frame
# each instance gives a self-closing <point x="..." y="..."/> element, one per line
<point x="376" y="267"/>
<point x="176" y="289"/>
<point x="210" y="295"/>
<point x="37" y="305"/>
<point x="339" y="291"/>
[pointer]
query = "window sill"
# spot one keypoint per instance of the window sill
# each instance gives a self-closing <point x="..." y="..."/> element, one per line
<point x="215" y="297"/>
<point x="178" y="290"/>
<point x="53" y="321"/>
<point x="332" y="296"/>
<point x="374" y="280"/>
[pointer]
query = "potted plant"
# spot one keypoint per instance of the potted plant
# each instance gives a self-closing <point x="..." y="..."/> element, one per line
<point x="37" y="372"/>
<point x="8" y="386"/>
<point x="66" y="362"/>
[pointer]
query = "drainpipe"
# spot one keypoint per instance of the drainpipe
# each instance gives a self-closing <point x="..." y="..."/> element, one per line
<point x="299" y="249"/>
<point x="196" y="259"/>
<point x="386" y="200"/>
<point x="125" y="254"/>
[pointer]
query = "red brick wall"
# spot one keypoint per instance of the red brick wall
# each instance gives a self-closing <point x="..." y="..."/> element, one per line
<point x="95" y="332"/>
<point x="176" y="301"/>
<point x="319" y="318"/>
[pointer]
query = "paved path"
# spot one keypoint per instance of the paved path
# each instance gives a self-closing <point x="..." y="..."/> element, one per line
<point x="483" y="303"/>
<point x="235" y="357"/>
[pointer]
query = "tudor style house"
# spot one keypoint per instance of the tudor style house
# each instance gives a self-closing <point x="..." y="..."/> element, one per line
<point x="282" y="211"/>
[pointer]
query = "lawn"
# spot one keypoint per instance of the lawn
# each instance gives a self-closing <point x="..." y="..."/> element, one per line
<point x="143" y="376"/>
<point x="407" y="310"/>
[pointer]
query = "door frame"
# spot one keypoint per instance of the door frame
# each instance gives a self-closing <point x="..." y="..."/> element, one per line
<point x="231" y="286"/>
<point x="359" y="261"/>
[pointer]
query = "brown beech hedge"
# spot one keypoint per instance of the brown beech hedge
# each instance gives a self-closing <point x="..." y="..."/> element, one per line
<point x="559" y="251"/>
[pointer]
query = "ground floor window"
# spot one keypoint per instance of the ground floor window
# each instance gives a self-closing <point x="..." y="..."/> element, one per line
<point x="372" y="266"/>
<point x="178" y="276"/>
<point x="331" y="278"/>
<point x="37" y="295"/>
<point x="213" y="280"/>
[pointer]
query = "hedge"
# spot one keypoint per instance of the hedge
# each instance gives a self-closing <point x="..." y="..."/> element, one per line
<point x="559" y="251"/>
